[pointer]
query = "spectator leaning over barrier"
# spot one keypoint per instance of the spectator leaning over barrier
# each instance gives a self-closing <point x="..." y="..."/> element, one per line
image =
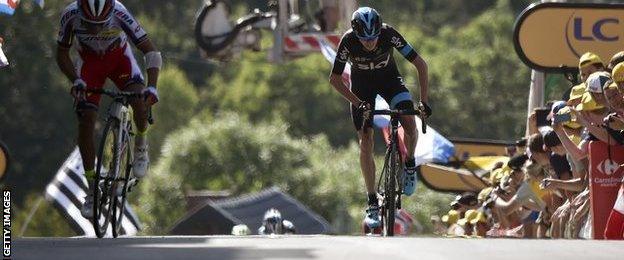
<point x="554" y="166"/>
<point x="561" y="214"/>
<point x="614" y="93"/>
<point x="528" y="195"/>
<point x="565" y="145"/>
<point x="591" y="111"/>
<point x="588" y="64"/>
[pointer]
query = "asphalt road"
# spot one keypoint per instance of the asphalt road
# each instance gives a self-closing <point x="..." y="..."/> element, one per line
<point x="311" y="247"/>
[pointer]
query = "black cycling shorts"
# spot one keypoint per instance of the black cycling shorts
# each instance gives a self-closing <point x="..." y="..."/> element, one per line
<point x="366" y="89"/>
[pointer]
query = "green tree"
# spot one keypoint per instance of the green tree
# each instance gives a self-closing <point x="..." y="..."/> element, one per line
<point x="178" y="100"/>
<point x="297" y="91"/>
<point x="232" y="154"/>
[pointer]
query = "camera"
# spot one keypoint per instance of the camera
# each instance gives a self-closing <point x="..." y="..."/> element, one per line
<point x="562" y="118"/>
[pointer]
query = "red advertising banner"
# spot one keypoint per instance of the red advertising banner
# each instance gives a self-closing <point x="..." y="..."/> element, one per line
<point x="605" y="173"/>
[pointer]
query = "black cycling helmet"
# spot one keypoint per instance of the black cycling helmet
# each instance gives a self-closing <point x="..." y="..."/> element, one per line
<point x="366" y="23"/>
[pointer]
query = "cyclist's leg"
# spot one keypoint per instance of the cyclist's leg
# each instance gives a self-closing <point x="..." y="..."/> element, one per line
<point x="398" y="97"/>
<point x="365" y="137"/>
<point x="127" y="76"/>
<point x="92" y="71"/>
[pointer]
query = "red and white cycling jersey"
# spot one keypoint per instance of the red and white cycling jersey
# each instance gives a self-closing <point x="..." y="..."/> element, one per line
<point x="105" y="55"/>
<point x="114" y="34"/>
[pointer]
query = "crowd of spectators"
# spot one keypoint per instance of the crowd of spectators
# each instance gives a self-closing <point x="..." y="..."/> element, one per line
<point x="542" y="191"/>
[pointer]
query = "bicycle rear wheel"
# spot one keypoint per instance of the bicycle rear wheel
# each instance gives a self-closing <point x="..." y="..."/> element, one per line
<point x="119" y="200"/>
<point x="106" y="170"/>
<point x="390" y="191"/>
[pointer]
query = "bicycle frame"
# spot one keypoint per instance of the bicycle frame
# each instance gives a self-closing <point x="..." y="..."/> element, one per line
<point x="119" y="128"/>
<point x="390" y="183"/>
<point x="119" y="110"/>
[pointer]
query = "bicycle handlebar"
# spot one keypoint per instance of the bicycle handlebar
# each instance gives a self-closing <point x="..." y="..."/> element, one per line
<point x="395" y="112"/>
<point x="115" y="94"/>
<point x="398" y="112"/>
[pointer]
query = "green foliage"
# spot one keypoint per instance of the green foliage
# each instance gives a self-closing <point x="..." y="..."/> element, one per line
<point x="291" y="128"/>
<point x="232" y="154"/>
<point x="475" y="71"/>
<point x="178" y="100"/>
<point x="306" y="101"/>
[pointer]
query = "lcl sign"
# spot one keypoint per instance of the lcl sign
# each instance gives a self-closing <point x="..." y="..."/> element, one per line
<point x="597" y="32"/>
<point x="552" y="36"/>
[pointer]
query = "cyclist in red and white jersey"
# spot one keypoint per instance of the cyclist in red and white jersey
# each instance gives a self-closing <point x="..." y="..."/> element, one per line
<point x="101" y="29"/>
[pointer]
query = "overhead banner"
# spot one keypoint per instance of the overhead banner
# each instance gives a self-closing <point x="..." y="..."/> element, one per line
<point x="551" y="37"/>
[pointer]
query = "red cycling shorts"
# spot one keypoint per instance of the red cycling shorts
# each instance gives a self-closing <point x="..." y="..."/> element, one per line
<point x="117" y="64"/>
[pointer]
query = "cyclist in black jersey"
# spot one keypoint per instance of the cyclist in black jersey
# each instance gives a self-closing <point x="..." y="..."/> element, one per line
<point x="368" y="47"/>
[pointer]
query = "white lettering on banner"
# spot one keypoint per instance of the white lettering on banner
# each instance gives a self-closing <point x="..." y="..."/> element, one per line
<point x="607" y="182"/>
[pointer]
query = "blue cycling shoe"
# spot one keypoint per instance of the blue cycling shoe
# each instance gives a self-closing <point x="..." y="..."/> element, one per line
<point x="372" y="219"/>
<point x="409" y="181"/>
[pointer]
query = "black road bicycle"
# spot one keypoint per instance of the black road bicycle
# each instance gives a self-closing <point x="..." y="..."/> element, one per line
<point x="114" y="163"/>
<point x="390" y="184"/>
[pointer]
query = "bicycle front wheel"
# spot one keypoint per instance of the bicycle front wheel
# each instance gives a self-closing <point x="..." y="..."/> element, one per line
<point x="106" y="170"/>
<point x="390" y="191"/>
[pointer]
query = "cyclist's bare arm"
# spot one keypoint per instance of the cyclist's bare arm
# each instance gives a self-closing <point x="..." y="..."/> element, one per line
<point x="423" y="77"/>
<point x="146" y="46"/>
<point x="338" y="84"/>
<point x="65" y="63"/>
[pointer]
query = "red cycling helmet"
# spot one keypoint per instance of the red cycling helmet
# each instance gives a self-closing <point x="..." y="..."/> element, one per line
<point x="96" y="11"/>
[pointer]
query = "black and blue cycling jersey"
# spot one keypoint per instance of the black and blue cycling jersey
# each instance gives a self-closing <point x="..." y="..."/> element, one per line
<point x="380" y="60"/>
<point x="375" y="72"/>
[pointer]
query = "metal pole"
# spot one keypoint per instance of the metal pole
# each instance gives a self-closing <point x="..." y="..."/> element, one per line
<point x="536" y="94"/>
<point x="280" y="30"/>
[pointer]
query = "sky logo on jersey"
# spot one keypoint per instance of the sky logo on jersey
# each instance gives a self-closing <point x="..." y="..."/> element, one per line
<point x="373" y="65"/>
<point x="396" y="41"/>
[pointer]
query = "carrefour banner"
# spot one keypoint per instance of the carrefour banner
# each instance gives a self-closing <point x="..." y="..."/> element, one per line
<point x="548" y="36"/>
<point x="605" y="173"/>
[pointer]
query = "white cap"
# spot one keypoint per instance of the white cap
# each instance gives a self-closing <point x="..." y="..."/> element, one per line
<point x="596" y="80"/>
